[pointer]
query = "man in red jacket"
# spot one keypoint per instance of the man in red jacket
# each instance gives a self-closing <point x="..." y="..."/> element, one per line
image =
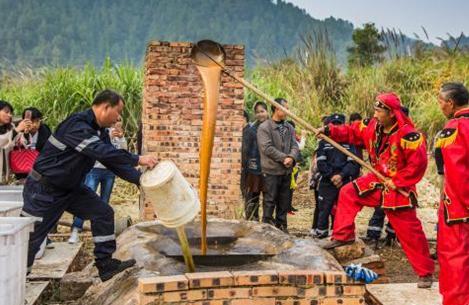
<point x="398" y="152"/>
<point x="452" y="158"/>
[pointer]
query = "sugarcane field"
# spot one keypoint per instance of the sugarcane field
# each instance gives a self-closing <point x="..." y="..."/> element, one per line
<point x="248" y="152"/>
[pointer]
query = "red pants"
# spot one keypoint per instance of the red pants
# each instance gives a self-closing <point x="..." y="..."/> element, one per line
<point x="405" y="222"/>
<point x="453" y="256"/>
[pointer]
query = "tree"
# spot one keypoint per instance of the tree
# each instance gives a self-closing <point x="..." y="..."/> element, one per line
<point x="367" y="49"/>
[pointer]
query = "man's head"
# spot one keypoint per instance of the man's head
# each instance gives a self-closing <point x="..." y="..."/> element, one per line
<point x="384" y="114"/>
<point x="336" y="119"/>
<point x="260" y="110"/>
<point x="107" y="107"/>
<point x="36" y="118"/>
<point x="355" y="117"/>
<point x="452" y="97"/>
<point x="277" y="113"/>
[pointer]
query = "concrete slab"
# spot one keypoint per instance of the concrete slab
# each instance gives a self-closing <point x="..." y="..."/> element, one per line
<point x="55" y="262"/>
<point x="35" y="292"/>
<point x="403" y="293"/>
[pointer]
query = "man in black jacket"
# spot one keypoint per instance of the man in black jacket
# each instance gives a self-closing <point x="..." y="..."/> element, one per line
<point x="336" y="170"/>
<point x="55" y="184"/>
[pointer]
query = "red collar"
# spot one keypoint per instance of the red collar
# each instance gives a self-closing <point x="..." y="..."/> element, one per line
<point x="462" y="113"/>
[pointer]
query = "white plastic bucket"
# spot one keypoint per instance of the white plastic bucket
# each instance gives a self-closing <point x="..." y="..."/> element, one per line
<point x="14" y="236"/>
<point x="174" y="200"/>
<point x="10" y="208"/>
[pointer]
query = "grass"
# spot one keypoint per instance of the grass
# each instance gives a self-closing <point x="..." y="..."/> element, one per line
<point x="61" y="91"/>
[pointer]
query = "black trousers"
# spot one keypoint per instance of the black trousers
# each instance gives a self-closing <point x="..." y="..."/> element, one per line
<point x="316" y="211"/>
<point x="251" y="205"/>
<point x="277" y="198"/>
<point x="327" y="196"/>
<point x="376" y="223"/>
<point x="48" y="204"/>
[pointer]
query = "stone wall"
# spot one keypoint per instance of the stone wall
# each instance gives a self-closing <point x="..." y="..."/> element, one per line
<point x="172" y="120"/>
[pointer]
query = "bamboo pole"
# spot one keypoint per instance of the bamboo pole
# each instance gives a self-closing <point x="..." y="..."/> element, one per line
<point x="310" y="128"/>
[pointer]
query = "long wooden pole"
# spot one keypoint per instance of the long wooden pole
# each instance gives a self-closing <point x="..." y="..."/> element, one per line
<point x="310" y="128"/>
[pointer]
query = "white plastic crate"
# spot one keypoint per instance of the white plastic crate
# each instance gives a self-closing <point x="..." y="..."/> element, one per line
<point x="11" y="187"/>
<point x="10" y="208"/>
<point x="14" y="236"/>
<point x="11" y="194"/>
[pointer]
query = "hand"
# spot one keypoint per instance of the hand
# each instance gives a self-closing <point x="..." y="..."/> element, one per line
<point x="337" y="181"/>
<point x="117" y="133"/>
<point x="320" y="130"/>
<point x="288" y="162"/>
<point x="148" y="161"/>
<point x="390" y="184"/>
<point x="24" y="126"/>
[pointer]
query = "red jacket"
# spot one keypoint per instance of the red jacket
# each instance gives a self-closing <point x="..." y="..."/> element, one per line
<point x="401" y="155"/>
<point x="452" y="155"/>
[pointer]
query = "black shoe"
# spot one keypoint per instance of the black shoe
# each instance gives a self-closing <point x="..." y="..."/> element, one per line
<point x="390" y="241"/>
<point x="371" y="242"/>
<point x="110" y="267"/>
<point x="283" y="228"/>
<point x="322" y="236"/>
<point x="425" y="282"/>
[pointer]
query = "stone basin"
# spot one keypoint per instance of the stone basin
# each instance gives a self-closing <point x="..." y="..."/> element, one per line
<point x="151" y="244"/>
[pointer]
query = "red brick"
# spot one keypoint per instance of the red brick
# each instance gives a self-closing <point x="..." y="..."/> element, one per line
<point x="337" y="277"/>
<point x="148" y="299"/>
<point x="294" y="302"/>
<point x="163" y="283"/>
<point x="187" y="295"/>
<point x="301" y="277"/>
<point x="343" y="301"/>
<point x="210" y="279"/>
<point x="259" y="301"/>
<point x="355" y="290"/>
<point x="211" y="302"/>
<point x="229" y="293"/>
<point x="252" y="278"/>
<point x="281" y="291"/>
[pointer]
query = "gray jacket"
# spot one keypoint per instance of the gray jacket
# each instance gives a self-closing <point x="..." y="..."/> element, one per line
<point x="273" y="149"/>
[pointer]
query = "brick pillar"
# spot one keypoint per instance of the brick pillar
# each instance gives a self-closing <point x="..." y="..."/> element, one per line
<point x="172" y="120"/>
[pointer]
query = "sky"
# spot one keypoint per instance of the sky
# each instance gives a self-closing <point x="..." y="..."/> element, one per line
<point x="439" y="17"/>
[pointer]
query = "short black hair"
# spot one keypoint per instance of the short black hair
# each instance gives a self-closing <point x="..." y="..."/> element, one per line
<point x="35" y="113"/>
<point x="5" y="104"/>
<point x="325" y="119"/>
<point x="259" y="103"/>
<point x="355" y="117"/>
<point x="246" y="116"/>
<point x="279" y="100"/>
<point x="456" y="92"/>
<point x="108" y="96"/>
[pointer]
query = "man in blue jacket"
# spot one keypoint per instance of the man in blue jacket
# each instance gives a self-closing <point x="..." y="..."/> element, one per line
<point x="335" y="170"/>
<point x="55" y="184"/>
